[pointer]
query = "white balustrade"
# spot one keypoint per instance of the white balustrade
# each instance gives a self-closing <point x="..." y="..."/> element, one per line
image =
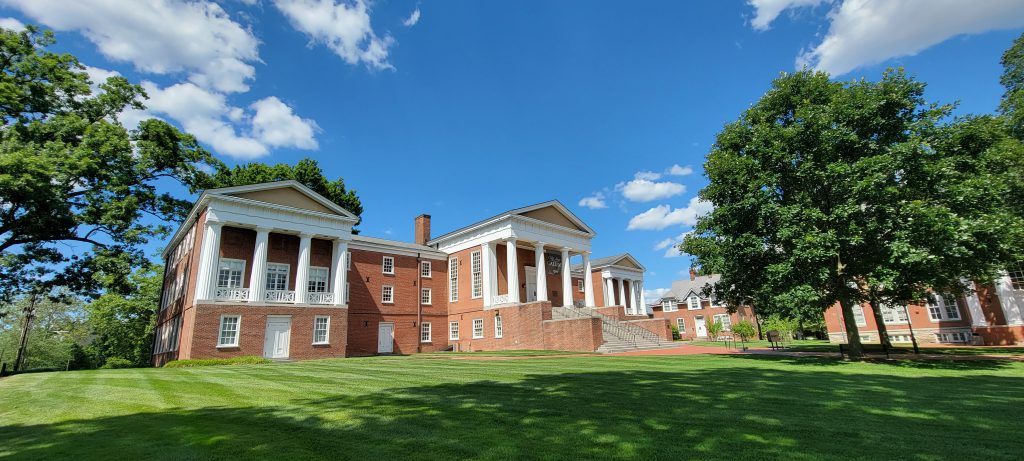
<point x="320" y="298"/>
<point x="279" y="296"/>
<point x="231" y="294"/>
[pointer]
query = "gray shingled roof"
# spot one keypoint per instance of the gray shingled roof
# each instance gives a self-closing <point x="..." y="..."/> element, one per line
<point x="681" y="289"/>
<point x="395" y="243"/>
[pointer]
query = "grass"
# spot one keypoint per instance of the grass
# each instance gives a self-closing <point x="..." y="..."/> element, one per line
<point x="657" y="407"/>
<point x="816" y="345"/>
<point x="242" y="360"/>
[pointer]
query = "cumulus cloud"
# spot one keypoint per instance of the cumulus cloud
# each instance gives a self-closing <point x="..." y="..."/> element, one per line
<point x="276" y="125"/>
<point x="645" y="187"/>
<point x="594" y="202"/>
<point x="344" y="27"/>
<point x="676" y="170"/>
<point x="654" y="293"/>
<point x="12" y="24"/>
<point x="413" y="18"/>
<point x="663" y="216"/>
<point x="671" y="245"/>
<point x="765" y="11"/>
<point x="159" y="37"/>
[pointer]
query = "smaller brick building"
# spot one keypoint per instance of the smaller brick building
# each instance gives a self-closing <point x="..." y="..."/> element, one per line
<point x="687" y="307"/>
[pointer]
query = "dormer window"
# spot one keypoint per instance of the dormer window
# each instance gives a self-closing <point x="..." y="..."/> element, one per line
<point x="693" y="303"/>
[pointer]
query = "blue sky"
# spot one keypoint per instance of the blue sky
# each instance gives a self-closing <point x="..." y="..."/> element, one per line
<point x="478" y="107"/>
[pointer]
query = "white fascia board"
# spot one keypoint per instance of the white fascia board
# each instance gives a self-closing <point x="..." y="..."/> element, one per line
<point x="193" y="214"/>
<point x="232" y="210"/>
<point x="396" y="250"/>
<point x="621" y="272"/>
<point x="281" y="184"/>
<point x="498" y="229"/>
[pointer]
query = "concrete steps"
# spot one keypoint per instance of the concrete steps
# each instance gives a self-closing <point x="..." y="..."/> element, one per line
<point x="619" y="336"/>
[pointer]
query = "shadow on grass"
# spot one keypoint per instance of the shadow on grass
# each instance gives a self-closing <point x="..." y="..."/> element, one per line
<point x="758" y="412"/>
<point x="966" y="364"/>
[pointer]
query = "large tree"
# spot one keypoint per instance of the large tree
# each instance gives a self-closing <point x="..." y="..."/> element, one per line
<point x="845" y="192"/>
<point x="73" y="179"/>
<point x="1013" y="80"/>
<point x="123" y="325"/>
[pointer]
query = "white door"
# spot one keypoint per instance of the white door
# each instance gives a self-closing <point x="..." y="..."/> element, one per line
<point x="278" y="337"/>
<point x="700" y="327"/>
<point x="531" y="283"/>
<point x="386" y="338"/>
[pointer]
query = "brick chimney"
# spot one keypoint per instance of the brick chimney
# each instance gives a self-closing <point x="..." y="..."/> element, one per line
<point x="693" y="274"/>
<point x="422" y="233"/>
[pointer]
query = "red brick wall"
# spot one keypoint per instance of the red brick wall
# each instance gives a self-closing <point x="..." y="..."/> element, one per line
<point x="1001" y="335"/>
<point x="599" y="295"/>
<point x="466" y="302"/>
<point x="253" y="329"/>
<point x="283" y="249"/>
<point x="521" y="327"/>
<point x="618" y="313"/>
<point x="363" y="333"/>
<point x="708" y="312"/>
<point x="579" y="335"/>
<point x="991" y="306"/>
<point x="659" y="327"/>
<point x="918" y="319"/>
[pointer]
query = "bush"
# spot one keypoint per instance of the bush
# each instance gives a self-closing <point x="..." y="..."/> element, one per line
<point x="745" y="329"/>
<point x="675" y="333"/>
<point x="714" y="328"/>
<point x="118" y="362"/>
<point x="243" y="360"/>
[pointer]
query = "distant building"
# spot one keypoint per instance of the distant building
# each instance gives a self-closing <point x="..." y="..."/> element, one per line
<point x="687" y="307"/>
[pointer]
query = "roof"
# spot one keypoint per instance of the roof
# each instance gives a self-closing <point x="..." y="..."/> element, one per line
<point x="412" y="247"/>
<point x="598" y="263"/>
<point x="290" y="183"/>
<point x="519" y="211"/>
<point x="681" y="289"/>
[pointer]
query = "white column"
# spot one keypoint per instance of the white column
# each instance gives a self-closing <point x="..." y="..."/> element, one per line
<point x="622" y="292"/>
<point x="566" y="279"/>
<point x="302" y="272"/>
<point x="488" y="265"/>
<point x="258" y="274"/>
<point x="339" y="272"/>
<point x="609" y="292"/>
<point x="542" y="276"/>
<point x="209" y="259"/>
<point x="643" y="299"/>
<point x="588" y="281"/>
<point x="512" y="270"/>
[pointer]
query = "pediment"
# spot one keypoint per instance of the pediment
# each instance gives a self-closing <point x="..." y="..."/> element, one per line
<point x="552" y="215"/>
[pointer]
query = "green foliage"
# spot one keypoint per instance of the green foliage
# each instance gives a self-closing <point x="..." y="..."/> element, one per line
<point x="243" y="360"/>
<point x="744" y="328"/>
<point x="71" y="174"/>
<point x="118" y="362"/>
<point x="307" y="172"/>
<point x="787" y="326"/>
<point x="56" y="335"/>
<point x="675" y="333"/>
<point x="714" y="328"/>
<point x="1012" y="79"/>
<point x="123" y="324"/>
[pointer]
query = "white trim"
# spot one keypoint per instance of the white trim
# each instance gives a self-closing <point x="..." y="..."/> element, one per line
<point x="281" y="185"/>
<point x="475" y="336"/>
<point x="429" y="269"/>
<point x="383" y="291"/>
<point x="453" y="279"/>
<point x="327" y="278"/>
<point x="517" y="213"/>
<point x="384" y="265"/>
<point x="425" y="327"/>
<point x="359" y="243"/>
<point x="453" y="333"/>
<point x="499" y="327"/>
<point x="327" y="333"/>
<point x="238" y="330"/>
<point x="241" y="273"/>
<point x="287" y="276"/>
<point x="430" y="296"/>
<point x="473" y="257"/>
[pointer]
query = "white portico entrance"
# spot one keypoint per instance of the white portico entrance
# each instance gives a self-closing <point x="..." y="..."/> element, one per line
<point x="623" y="283"/>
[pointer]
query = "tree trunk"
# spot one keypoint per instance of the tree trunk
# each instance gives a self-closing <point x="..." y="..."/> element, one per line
<point x="883" y="332"/>
<point x="26" y="324"/>
<point x="757" y="322"/>
<point x="856" y="350"/>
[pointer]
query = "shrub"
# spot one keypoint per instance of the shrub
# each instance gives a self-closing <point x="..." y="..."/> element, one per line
<point x="243" y="360"/>
<point x="714" y="328"/>
<point x="675" y="333"/>
<point x="118" y="362"/>
<point x="745" y="329"/>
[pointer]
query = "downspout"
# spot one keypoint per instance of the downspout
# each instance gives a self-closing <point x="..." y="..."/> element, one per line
<point x="419" y="305"/>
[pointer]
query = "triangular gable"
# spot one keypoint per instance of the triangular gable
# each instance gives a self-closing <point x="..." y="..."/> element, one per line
<point x="286" y="193"/>
<point x="552" y="215"/>
<point x="627" y="262"/>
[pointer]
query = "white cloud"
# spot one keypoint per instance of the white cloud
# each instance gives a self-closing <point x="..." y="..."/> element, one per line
<point x="654" y="294"/>
<point x="676" y="170"/>
<point x="671" y="245"/>
<point x="98" y="76"/>
<point x="647" y="175"/>
<point x="866" y="32"/>
<point x="594" y="202"/>
<point x="644" y="190"/>
<point x="12" y="24"/>
<point x="159" y="36"/>
<point x="344" y="27"/>
<point x="413" y="18"/>
<point x="767" y="10"/>
<point x="204" y="114"/>
<point x="276" y="125"/>
<point x="663" y="216"/>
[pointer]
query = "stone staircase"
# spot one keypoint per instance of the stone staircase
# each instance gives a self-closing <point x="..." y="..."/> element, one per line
<point x="619" y="336"/>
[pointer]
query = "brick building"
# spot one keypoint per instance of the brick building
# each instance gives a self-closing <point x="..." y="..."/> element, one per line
<point x="274" y="270"/>
<point x="687" y="307"/>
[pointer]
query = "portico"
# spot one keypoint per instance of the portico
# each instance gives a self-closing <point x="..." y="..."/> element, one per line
<point x="623" y="279"/>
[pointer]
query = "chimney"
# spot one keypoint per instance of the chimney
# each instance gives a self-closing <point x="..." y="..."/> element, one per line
<point x="422" y="233"/>
<point x="693" y="274"/>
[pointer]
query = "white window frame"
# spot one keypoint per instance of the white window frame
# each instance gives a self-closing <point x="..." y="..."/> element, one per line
<point x="426" y="333"/>
<point x="499" y="329"/>
<point x="287" y="275"/>
<point x="952" y="338"/>
<point x="955" y="307"/>
<point x="691" y="301"/>
<point x="899" y="313"/>
<point x="681" y="325"/>
<point x="312" y="279"/>
<point x="476" y="323"/>
<point x="669" y="305"/>
<point x="387" y="294"/>
<point x="327" y="329"/>
<point x="241" y="275"/>
<point x="477" y="274"/>
<point x="453" y="330"/>
<point x="453" y="279"/>
<point x="388" y="262"/>
<point x="426" y="296"/>
<point x="725" y="319"/>
<point x="860" y="320"/>
<point x="348" y="260"/>
<point x="425" y="268"/>
<point x="1016" y="276"/>
<point x="347" y="286"/>
<point x="580" y="286"/>
<point x="237" y="331"/>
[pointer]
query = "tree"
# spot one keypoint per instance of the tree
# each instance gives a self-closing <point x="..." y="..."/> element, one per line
<point x="123" y="324"/>
<point x="49" y="326"/>
<point x="744" y="328"/>
<point x="1012" y="104"/>
<point x="307" y="172"/>
<point x="846" y="192"/>
<point x="714" y="328"/>
<point x="71" y="176"/>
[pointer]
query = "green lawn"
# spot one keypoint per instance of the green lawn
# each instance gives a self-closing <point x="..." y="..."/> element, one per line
<point x="645" y="408"/>
<point x="815" y="345"/>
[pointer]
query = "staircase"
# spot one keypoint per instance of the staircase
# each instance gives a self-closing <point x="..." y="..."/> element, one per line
<point x="618" y="336"/>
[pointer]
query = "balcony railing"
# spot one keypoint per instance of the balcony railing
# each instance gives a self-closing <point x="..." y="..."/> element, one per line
<point x="231" y="294"/>
<point x="320" y="298"/>
<point x="279" y="296"/>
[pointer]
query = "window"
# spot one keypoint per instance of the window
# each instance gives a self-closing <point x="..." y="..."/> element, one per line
<point x="228" y="336"/>
<point x="893" y="314"/>
<point x="387" y="294"/>
<point x="669" y="305"/>
<point x="858" y="316"/>
<point x="321" y="327"/>
<point x="425" y="296"/>
<point x="348" y="260"/>
<point x="724" y="320"/>
<point x="453" y="331"/>
<point x="934" y="311"/>
<point x="952" y="309"/>
<point x="681" y="325"/>
<point x="899" y="339"/>
<point x="317" y="280"/>
<point x="579" y="285"/>
<point x="425" y="332"/>
<point x="958" y="337"/>
<point x="497" y="326"/>
<point x="347" y="285"/>
<point x="1016" y="276"/>
<point x="388" y="265"/>
<point x="478" y="276"/>
<point x="943" y="308"/>
<point x="277" y="276"/>
<point x="453" y="279"/>
<point x="478" y="328"/>
<point x="425" y="269"/>
<point x="693" y="303"/>
<point x="229" y="273"/>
